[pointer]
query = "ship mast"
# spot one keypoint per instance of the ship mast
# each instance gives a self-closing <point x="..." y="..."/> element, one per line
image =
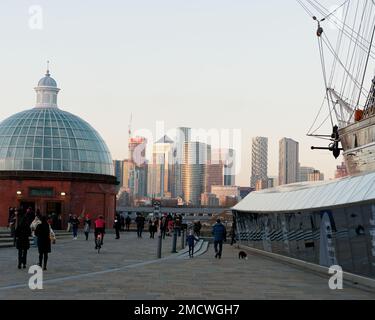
<point x="345" y="63"/>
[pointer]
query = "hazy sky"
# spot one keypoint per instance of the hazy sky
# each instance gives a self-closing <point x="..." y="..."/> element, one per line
<point x="221" y="64"/>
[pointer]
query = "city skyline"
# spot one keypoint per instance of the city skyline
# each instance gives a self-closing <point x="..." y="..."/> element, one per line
<point x="182" y="75"/>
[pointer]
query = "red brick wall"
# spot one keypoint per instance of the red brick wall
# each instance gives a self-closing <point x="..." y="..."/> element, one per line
<point x="81" y="198"/>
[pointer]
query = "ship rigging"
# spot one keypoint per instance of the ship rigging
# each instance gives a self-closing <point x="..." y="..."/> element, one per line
<point x="345" y="36"/>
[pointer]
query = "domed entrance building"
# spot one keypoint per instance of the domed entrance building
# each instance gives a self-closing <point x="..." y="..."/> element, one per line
<point x="54" y="162"/>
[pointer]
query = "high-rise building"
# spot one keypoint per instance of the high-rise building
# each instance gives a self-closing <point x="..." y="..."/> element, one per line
<point x="213" y="176"/>
<point x="137" y="150"/>
<point x="226" y="157"/>
<point x="341" y="171"/>
<point x="118" y="165"/>
<point x="316" y="175"/>
<point x="226" y="192"/>
<point x="196" y="157"/>
<point x="304" y="173"/>
<point x="259" y="162"/>
<point x="127" y="167"/>
<point x="209" y="200"/>
<point x="137" y="168"/>
<point x="183" y="135"/>
<point x="288" y="161"/>
<point x="160" y="169"/>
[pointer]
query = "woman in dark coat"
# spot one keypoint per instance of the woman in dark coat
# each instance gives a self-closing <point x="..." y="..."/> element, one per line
<point x="44" y="241"/>
<point x="22" y="234"/>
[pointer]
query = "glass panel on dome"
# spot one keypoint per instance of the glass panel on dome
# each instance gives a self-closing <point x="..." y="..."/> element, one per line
<point x="57" y="165"/>
<point x="39" y="131"/>
<point x="65" y="143"/>
<point x="47" y="142"/>
<point x="66" y="154"/>
<point x="47" y="131"/>
<point x="30" y="141"/>
<point x="38" y="141"/>
<point x="28" y="153"/>
<point x="66" y="166"/>
<point x="27" y="164"/>
<point x="47" y="153"/>
<point x="56" y="153"/>
<point x="47" y="165"/>
<point x="37" y="164"/>
<point x="19" y="153"/>
<point x="37" y="152"/>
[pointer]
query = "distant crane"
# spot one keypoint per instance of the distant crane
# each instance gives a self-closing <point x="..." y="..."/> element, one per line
<point x="130" y="125"/>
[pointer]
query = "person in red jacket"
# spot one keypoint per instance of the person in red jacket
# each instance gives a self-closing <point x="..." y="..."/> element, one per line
<point x="99" y="228"/>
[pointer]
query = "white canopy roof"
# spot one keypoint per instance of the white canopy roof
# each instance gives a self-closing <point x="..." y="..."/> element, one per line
<point x="310" y="195"/>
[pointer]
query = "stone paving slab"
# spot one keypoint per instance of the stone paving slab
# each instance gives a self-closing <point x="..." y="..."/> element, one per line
<point x="128" y="270"/>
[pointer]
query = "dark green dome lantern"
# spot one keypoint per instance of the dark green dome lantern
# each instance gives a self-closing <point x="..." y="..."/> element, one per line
<point x="46" y="138"/>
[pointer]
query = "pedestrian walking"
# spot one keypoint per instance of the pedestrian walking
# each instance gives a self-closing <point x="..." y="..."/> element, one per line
<point x="33" y="226"/>
<point x="43" y="232"/>
<point x="219" y="232"/>
<point x="190" y="241"/>
<point x="75" y="224"/>
<point x="117" y="225"/>
<point x="163" y="226"/>
<point x="140" y="221"/>
<point x="87" y="226"/>
<point x="22" y="234"/>
<point x="70" y="219"/>
<point x="152" y="227"/>
<point x="197" y="228"/>
<point x="128" y="220"/>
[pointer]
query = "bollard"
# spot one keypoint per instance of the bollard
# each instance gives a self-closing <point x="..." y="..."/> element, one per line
<point x="183" y="239"/>
<point x="160" y="241"/>
<point x="174" y="244"/>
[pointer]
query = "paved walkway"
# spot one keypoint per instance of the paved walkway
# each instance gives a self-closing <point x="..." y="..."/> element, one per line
<point x="127" y="269"/>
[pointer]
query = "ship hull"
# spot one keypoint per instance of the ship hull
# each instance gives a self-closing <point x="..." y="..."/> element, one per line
<point x="358" y="142"/>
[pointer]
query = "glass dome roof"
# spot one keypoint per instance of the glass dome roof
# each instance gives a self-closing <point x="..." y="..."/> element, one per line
<point x="50" y="139"/>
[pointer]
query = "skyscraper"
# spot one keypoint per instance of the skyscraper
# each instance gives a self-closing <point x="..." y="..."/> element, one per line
<point x="304" y="173"/>
<point x="288" y="161"/>
<point x="119" y="172"/>
<point x="160" y="169"/>
<point x="259" y="160"/>
<point x="183" y="135"/>
<point x="196" y="157"/>
<point x="136" y="169"/>
<point x="226" y="158"/>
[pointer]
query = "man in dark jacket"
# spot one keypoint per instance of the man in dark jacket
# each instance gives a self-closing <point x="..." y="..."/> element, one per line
<point x="22" y="233"/>
<point x="220" y="235"/>
<point x="140" y="221"/>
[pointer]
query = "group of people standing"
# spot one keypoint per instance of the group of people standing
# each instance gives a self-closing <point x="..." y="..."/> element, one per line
<point x="23" y="225"/>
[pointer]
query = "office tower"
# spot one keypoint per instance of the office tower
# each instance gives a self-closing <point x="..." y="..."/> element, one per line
<point x="316" y="175"/>
<point x="341" y="171"/>
<point x="137" y="168"/>
<point x="226" y="157"/>
<point x="119" y="172"/>
<point x="160" y="169"/>
<point x="183" y="135"/>
<point x="196" y="157"/>
<point x="226" y="193"/>
<point x="259" y="160"/>
<point x="304" y="173"/>
<point x="288" y="161"/>
<point x="214" y="176"/>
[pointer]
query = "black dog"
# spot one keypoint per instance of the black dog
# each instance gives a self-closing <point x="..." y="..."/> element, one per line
<point x="242" y="255"/>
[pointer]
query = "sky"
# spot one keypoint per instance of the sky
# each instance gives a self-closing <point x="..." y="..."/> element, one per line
<point x="241" y="65"/>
